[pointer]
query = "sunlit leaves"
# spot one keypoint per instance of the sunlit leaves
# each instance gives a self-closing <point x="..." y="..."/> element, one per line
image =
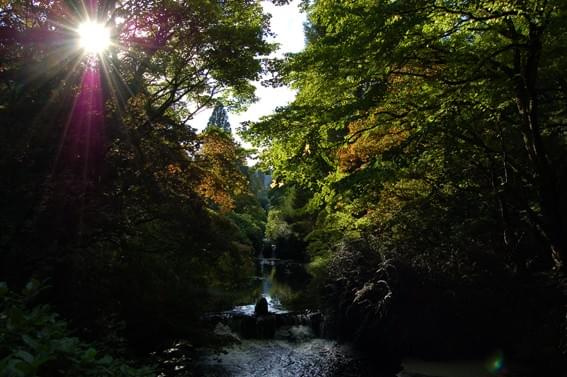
<point x="367" y="139"/>
<point x="428" y="93"/>
<point x="219" y="159"/>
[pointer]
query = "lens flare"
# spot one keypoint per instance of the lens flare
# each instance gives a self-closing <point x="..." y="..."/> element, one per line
<point x="495" y="364"/>
<point x="94" y="37"/>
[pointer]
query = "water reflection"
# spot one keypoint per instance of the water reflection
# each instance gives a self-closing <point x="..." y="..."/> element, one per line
<point x="280" y="282"/>
<point x="295" y="350"/>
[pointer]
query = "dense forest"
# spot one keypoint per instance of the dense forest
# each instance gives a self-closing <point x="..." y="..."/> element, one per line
<point x="419" y="176"/>
<point x="430" y="142"/>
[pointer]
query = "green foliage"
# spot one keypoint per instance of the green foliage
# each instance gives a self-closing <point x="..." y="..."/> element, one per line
<point x="36" y="341"/>
<point x="289" y="222"/>
<point x="434" y="133"/>
<point x="403" y="107"/>
<point x="251" y="228"/>
<point x="235" y="263"/>
<point x="276" y="226"/>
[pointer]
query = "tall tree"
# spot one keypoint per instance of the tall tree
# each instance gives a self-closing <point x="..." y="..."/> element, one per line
<point x="219" y="119"/>
<point x="220" y="159"/>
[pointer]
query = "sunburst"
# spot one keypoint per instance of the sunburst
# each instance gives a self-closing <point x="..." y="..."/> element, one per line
<point x="94" y="37"/>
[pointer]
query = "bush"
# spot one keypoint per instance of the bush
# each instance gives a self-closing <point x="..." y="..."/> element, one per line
<point x="34" y="341"/>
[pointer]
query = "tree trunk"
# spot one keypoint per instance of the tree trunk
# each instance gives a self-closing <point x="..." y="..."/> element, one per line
<point x="543" y="173"/>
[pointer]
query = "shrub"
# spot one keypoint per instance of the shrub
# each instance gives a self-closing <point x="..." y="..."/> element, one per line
<point x="34" y="341"/>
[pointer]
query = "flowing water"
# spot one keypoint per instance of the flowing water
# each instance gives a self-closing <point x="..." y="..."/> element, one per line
<point x="295" y="350"/>
<point x="268" y="283"/>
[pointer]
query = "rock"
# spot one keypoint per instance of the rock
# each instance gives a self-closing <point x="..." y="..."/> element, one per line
<point x="258" y="327"/>
<point x="262" y="324"/>
<point x="226" y="333"/>
<point x="248" y="327"/>
<point x="316" y="322"/>
<point x="261" y="307"/>
<point x="266" y="327"/>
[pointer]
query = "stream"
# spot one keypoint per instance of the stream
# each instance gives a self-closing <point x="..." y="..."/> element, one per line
<point x="293" y="347"/>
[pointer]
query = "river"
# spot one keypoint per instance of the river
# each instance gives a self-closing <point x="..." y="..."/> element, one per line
<point x="295" y="350"/>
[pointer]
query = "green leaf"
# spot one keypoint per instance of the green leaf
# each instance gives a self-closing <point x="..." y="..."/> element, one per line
<point x="29" y="341"/>
<point x="31" y="286"/>
<point x="106" y="360"/>
<point x="26" y="356"/>
<point x="89" y="354"/>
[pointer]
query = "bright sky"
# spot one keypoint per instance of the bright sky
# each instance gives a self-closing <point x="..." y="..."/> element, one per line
<point x="287" y="24"/>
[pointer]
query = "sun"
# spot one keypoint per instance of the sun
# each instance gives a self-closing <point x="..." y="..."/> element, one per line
<point x="94" y="37"/>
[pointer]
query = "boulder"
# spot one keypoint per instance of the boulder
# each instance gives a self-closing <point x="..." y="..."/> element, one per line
<point x="316" y="322"/>
<point x="261" y="307"/>
<point x="262" y="327"/>
<point x="266" y="327"/>
<point x="248" y="327"/>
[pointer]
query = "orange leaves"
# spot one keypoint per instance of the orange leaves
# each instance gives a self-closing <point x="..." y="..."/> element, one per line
<point x="211" y="187"/>
<point x="367" y="140"/>
<point x="221" y="179"/>
<point x="173" y="169"/>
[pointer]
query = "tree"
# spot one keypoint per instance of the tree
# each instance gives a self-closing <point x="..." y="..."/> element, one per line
<point x="433" y="134"/>
<point x="399" y="89"/>
<point x="219" y="119"/>
<point x="220" y="159"/>
<point x="103" y="179"/>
